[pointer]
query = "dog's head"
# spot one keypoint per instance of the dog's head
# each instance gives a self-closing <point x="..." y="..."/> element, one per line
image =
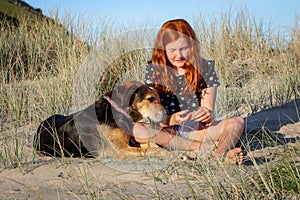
<point x="140" y="101"/>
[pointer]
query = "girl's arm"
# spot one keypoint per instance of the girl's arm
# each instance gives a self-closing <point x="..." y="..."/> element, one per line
<point x="208" y="99"/>
<point x="205" y="113"/>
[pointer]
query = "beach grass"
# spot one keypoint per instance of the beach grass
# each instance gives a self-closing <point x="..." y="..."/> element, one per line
<point x="42" y="68"/>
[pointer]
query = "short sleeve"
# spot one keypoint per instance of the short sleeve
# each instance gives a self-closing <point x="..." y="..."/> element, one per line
<point x="209" y="73"/>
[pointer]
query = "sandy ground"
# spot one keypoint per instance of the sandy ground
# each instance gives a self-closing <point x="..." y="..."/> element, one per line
<point x="50" y="178"/>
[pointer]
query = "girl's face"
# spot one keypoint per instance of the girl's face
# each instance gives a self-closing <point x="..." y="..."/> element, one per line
<point x="178" y="52"/>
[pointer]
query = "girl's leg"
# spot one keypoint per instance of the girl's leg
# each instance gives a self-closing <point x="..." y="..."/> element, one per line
<point x="227" y="134"/>
<point x="166" y="137"/>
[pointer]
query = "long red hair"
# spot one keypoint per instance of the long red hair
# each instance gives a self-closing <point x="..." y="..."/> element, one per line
<point x="169" y="32"/>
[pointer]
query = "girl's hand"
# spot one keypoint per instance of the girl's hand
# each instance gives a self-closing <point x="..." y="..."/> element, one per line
<point x="203" y="115"/>
<point x="180" y="117"/>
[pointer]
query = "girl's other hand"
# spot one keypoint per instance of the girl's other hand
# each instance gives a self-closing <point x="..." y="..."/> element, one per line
<point x="203" y="115"/>
<point x="180" y="117"/>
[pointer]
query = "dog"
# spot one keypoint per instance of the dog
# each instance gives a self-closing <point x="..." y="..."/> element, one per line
<point x="105" y="127"/>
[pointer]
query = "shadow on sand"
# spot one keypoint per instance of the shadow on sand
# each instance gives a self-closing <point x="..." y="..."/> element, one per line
<point x="267" y="128"/>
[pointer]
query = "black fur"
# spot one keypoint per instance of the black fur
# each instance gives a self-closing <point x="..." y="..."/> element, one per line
<point x="77" y="135"/>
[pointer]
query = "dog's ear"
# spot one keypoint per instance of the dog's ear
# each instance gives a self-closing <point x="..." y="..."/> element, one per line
<point x="124" y="95"/>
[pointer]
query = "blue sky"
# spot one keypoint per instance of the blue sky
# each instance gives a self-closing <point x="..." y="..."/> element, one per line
<point x="280" y="12"/>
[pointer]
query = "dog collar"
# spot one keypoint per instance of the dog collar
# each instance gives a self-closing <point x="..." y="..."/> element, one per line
<point x="113" y="104"/>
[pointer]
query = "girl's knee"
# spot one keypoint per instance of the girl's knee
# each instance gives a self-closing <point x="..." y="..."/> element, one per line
<point x="235" y="123"/>
<point x="240" y="122"/>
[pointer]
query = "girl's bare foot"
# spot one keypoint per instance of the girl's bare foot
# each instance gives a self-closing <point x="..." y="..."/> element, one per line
<point x="234" y="156"/>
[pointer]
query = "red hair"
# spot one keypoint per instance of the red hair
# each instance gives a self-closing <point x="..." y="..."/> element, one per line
<point x="169" y="32"/>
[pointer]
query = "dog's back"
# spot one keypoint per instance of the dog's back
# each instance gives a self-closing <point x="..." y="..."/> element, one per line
<point x="51" y="141"/>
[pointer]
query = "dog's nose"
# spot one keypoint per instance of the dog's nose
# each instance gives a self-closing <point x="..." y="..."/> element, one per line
<point x="160" y="116"/>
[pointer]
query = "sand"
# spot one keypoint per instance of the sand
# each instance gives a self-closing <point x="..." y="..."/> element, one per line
<point x="52" y="178"/>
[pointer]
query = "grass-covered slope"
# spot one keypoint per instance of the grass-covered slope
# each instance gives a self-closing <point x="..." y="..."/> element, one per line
<point x="17" y="11"/>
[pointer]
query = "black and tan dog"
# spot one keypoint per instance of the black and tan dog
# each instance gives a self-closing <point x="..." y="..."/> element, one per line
<point x="103" y="128"/>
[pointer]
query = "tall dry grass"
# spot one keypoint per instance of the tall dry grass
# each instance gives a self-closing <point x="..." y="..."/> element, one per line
<point x="258" y="67"/>
<point x="258" y="63"/>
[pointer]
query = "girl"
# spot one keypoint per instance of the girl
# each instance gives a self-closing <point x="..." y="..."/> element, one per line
<point x="187" y="87"/>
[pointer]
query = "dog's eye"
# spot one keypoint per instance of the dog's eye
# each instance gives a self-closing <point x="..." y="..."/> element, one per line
<point x="151" y="99"/>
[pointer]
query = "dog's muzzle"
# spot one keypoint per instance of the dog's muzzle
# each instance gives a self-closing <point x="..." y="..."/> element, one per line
<point x="159" y="116"/>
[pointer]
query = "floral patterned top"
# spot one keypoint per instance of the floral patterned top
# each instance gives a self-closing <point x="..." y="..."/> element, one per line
<point x="178" y="101"/>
